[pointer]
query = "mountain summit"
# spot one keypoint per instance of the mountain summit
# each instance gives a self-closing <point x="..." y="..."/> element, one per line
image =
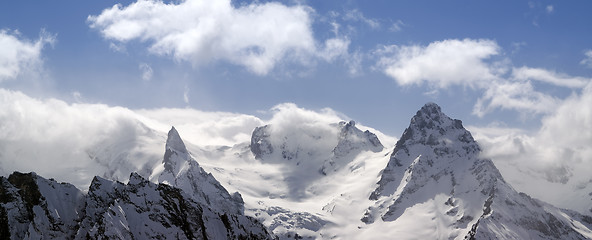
<point x="436" y="186"/>
<point x="179" y="169"/>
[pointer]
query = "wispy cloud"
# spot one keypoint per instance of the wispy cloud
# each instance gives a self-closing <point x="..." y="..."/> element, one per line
<point x="186" y="95"/>
<point x="550" y="9"/>
<point x="551" y="77"/>
<point x="397" y="26"/>
<point x="356" y="15"/>
<point x="588" y="60"/>
<point x="146" y="70"/>
<point x="19" y="55"/>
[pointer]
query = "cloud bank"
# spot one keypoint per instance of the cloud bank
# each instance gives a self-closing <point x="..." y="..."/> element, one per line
<point x="559" y="152"/>
<point x="74" y="142"/>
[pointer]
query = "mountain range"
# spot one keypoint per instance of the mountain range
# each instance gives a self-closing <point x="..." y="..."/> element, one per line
<point x="317" y="181"/>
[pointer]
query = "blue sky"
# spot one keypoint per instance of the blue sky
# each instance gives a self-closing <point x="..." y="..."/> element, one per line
<point x="489" y="63"/>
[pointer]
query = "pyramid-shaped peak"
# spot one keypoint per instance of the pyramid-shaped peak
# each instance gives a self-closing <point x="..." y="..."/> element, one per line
<point x="174" y="141"/>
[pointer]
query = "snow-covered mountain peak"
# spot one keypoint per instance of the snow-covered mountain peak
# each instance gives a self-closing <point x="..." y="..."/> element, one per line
<point x="433" y="143"/>
<point x="174" y="141"/>
<point x="352" y="138"/>
<point x="436" y="176"/>
<point x="176" y="156"/>
<point x="179" y="169"/>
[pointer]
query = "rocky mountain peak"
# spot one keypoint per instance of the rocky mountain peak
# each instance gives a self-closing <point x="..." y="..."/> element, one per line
<point x="174" y="141"/>
<point x="432" y="142"/>
<point x="176" y="153"/>
<point x="431" y="127"/>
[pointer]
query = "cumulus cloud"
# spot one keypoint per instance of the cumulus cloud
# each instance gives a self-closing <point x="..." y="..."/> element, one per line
<point x="441" y="63"/>
<point x="256" y="36"/>
<point x="19" y="55"/>
<point x="470" y="63"/>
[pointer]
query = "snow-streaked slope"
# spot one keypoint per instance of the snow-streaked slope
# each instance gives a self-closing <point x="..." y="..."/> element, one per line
<point x="308" y="187"/>
<point x="436" y="177"/>
<point x="144" y="210"/>
<point x="32" y="207"/>
<point x="180" y="170"/>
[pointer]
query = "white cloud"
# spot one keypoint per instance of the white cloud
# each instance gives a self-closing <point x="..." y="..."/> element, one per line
<point x="256" y="36"/>
<point x="550" y="9"/>
<point x="356" y="15"/>
<point x="335" y="48"/>
<point x="117" y="47"/>
<point x="146" y="70"/>
<point x="72" y="142"/>
<point x="469" y="63"/>
<point x="588" y="60"/>
<point x="441" y="63"/>
<point x="570" y="126"/>
<point x="551" y="77"/>
<point x="518" y="96"/>
<point x="397" y="26"/>
<point x="18" y="55"/>
<point x="77" y="96"/>
<point x="560" y="151"/>
<point x="186" y="95"/>
<point x="202" y="128"/>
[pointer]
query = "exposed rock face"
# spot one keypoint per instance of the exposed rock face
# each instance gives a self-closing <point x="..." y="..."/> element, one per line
<point x="141" y="209"/>
<point x="260" y="143"/>
<point x="33" y="207"/>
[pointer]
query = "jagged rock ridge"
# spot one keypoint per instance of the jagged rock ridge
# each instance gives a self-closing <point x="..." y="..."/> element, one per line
<point x="34" y="207"/>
